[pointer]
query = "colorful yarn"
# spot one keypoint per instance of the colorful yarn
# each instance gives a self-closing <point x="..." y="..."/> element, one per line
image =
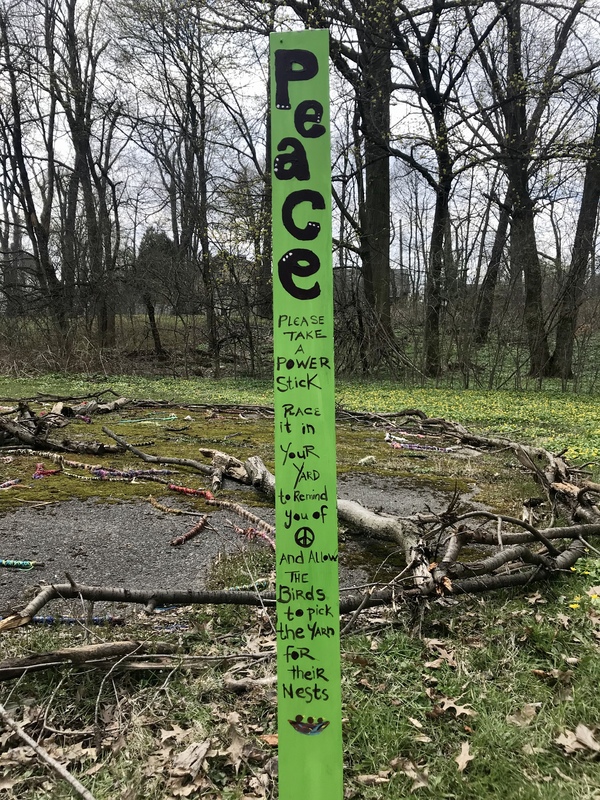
<point x="108" y="472"/>
<point x="41" y="471"/>
<point x="22" y="565"/>
<point x="146" y="420"/>
<point x="400" y="445"/>
<point x="8" y="484"/>
<point x="254" y="533"/>
<point x="178" y="540"/>
<point x="192" y="492"/>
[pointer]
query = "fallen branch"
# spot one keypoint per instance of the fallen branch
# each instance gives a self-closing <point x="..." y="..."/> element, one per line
<point x="246" y="684"/>
<point x="41" y="442"/>
<point x="543" y="569"/>
<point x="146" y="597"/>
<point x="205" y="469"/>
<point x="224" y="465"/>
<point x="86" y="654"/>
<point x="44" y="755"/>
<point x="401" y="532"/>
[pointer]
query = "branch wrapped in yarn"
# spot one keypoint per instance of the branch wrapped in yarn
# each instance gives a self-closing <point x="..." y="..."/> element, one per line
<point x="185" y="537"/>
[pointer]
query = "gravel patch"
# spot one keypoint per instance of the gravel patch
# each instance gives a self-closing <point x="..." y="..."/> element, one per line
<point x="128" y="543"/>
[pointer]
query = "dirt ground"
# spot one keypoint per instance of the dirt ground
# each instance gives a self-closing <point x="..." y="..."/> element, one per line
<point x="127" y="544"/>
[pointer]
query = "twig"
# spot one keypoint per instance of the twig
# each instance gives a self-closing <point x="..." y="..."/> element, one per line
<point x="182" y="462"/>
<point x="44" y="755"/>
<point x="185" y="537"/>
<point x="102" y="682"/>
<point x="513" y="521"/>
<point x="353" y="619"/>
<point x="588" y="545"/>
<point x="245" y="684"/>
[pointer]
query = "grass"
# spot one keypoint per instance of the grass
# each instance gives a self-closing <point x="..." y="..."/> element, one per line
<point x="507" y="674"/>
<point x="549" y="418"/>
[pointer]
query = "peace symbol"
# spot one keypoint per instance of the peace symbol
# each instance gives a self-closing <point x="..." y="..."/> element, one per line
<point x="304" y="537"/>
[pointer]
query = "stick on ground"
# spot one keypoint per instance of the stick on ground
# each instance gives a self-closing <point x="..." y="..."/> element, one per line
<point x="44" y="755"/>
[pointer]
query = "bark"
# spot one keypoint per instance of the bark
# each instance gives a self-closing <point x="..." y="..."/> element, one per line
<point x="374" y="93"/>
<point x="39" y="441"/>
<point x="158" y="348"/>
<point x="524" y="257"/>
<point x="523" y="244"/>
<point x="485" y="300"/>
<point x="572" y="292"/>
<point x="77" y="656"/>
<point x="436" y="261"/>
<point x="205" y="469"/>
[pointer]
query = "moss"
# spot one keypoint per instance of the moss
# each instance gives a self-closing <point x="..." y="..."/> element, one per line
<point x="499" y="485"/>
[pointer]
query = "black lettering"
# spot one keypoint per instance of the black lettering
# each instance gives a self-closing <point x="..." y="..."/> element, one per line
<point x="292" y="65"/>
<point x="291" y="165"/>
<point x="311" y="231"/>
<point x="300" y="263"/>
<point x="309" y="112"/>
<point x="306" y="693"/>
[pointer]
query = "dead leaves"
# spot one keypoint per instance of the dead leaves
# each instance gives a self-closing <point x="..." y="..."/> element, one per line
<point x="444" y="656"/>
<point x="190" y="769"/>
<point x="375" y="780"/>
<point x="524" y="716"/>
<point x="463" y="758"/>
<point x="187" y="763"/>
<point x="185" y="773"/>
<point x="418" y="774"/>
<point x="236" y="750"/>
<point x="582" y="739"/>
<point x="443" y="704"/>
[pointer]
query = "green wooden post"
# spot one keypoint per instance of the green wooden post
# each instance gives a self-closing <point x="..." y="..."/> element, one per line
<point x="308" y="639"/>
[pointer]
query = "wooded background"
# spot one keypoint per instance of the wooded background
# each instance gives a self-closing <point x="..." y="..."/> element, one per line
<point x="135" y="186"/>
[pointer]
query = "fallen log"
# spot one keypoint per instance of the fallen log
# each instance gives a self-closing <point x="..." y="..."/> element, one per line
<point x="543" y="569"/>
<point x="77" y="656"/>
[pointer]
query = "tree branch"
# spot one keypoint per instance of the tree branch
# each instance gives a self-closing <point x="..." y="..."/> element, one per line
<point x="44" y="755"/>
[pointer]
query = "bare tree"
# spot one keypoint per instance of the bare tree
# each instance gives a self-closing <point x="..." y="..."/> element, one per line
<point x="572" y="290"/>
<point x="30" y="178"/>
<point x="172" y="48"/>
<point x="526" y="122"/>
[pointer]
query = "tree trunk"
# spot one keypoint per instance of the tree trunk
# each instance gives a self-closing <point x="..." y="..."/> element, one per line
<point x="434" y="300"/>
<point x="524" y="256"/>
<point x="485" y="301"/>
<point x="374" y="94"/>
<point x="523" y="245"/>
<point x="561" y="363"/>
<point x="158" y="348"/>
